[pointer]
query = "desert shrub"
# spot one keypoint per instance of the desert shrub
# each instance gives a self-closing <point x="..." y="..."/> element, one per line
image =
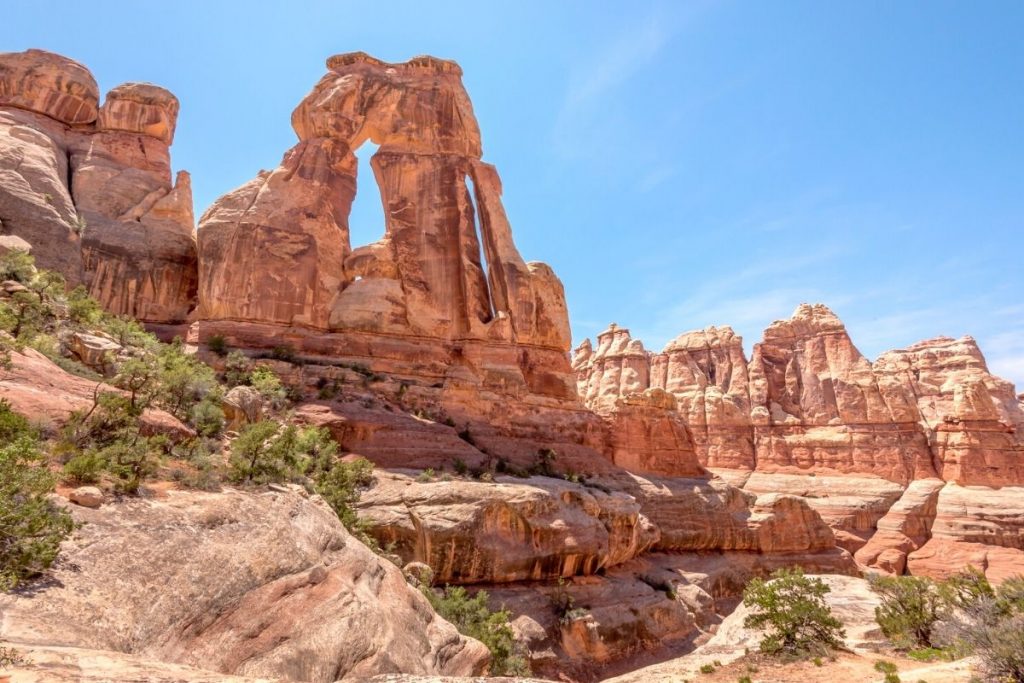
<point x="707" y="668"/>
<point x="73" y="367"/>
<point x="85" y="468"/>
<point x="259" y="455"/>
<point x="207" y="417"/>
<point x="82" y="308"/>
<point x="989" y="623"/>
<point x="283" y="352"/>
<point x="473" y="618"/>
<point x="108" y="438"/>
<point x="544" y="463"/>
<point x="140" y="378"/>
<point x="266" y="381"/>
<point x="340" y="485"/>
<point x="889" y="670"/>
<point x="910" y="609"/>
<point x="182" y="380"/>
<point x="31" y="526"/>
<point x="236" y="369"/>
<point x="791" y="607"/>
<point x="17" y="265"/>
<point x="268" y="451"/>
<point x="218" y="345"/>
<point x="128" y="332"/>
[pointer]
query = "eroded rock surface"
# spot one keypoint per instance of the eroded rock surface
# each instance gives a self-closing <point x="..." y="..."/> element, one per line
<point x="867" y="445"/>
<point x="263" y="585"/>
<point x="90" y="187"/>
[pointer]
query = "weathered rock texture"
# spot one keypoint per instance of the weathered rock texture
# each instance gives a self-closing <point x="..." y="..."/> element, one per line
<point x="264" y="585"/>
<point x="868" y="445"/>
<point x="90" y="187"/>
<point x="443" y="308"/>
<point x="277" y="250"/>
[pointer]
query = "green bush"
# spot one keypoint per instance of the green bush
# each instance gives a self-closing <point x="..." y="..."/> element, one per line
<point x="707" y="668"/>
<point x="910" y="609"/>
<point x="268" y="451"/>
<point x="82" y="308"/>
<point x="17" y="265"/>
<point x="340" y="484"/>
<point x="31" y="526"/>
<point x="473" y="618"/>
<point x="109" y="437"/>
<point x="207" y="417"/>
<point x="217" y="345"/>
<point x="791" y="607"/>
<point x="266" y="381"/>
<point x="85" y="468"/>
<point x="182" y="380"/>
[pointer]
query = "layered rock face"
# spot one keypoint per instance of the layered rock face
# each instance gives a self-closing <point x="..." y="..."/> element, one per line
<point x="264" y="585"/>
<point x="90" y="187"/>
<point x="872" y="447"/>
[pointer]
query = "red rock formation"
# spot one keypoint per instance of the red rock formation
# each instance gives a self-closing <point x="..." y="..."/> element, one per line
<point x="443" y="305"/>
<point x="90" y="187"/>
<point x="288" y="230"/>
<point x="866" y="445"/>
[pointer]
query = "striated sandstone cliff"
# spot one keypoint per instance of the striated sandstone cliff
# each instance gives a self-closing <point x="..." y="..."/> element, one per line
<point x="872" y="447"/>
<point x="90" y="187"/>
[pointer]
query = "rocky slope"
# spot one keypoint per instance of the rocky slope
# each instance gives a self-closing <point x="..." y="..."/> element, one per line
<point x="89" y="185"/>
<point x="262" y="585"/>
<point x="914" y="460"/>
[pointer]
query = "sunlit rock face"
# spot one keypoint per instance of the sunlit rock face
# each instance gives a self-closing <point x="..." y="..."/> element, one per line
<point x="446" y="268"/>
<point x="868" y="445"/>
<point x="443" y="303"/>
<point x="90" y="186"/>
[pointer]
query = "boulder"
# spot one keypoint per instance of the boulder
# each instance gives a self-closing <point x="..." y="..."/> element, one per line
<point x="94" y="351"/>
<point x="86" y="496"/>
<point x="242" y="405"/>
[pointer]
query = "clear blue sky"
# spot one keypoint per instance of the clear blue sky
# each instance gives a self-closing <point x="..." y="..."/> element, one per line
<point x="680" y="164"/>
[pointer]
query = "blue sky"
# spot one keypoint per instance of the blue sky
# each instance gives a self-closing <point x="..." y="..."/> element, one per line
<point x="680" y="164"/>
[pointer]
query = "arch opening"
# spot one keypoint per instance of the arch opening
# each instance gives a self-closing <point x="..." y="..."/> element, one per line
<point x="366" y="222"/>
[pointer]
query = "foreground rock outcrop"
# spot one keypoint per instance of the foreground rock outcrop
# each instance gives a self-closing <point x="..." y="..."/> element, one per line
<point x="90" y="187"/>
<point x="872" y="447"/>
<point x="261" y="585"/>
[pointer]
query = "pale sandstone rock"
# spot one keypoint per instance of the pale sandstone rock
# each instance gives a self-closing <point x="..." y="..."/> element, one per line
<point x="264" y="585"/>
<point x="86" y="496"/>
<point x="851" y="600"/>
<point x="288" y="229"/>
<point x="56" y="664"/>
<point x="904" y="528"/>
<point x="9" y="243"/>
<point x="973" y="419"/>
<point x="810" y="416"/>
<point x="242" y="405"/>
<point x="93" y="350"/>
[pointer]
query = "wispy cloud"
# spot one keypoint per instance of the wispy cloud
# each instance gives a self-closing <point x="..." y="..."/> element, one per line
<point x="634" y="48"/>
